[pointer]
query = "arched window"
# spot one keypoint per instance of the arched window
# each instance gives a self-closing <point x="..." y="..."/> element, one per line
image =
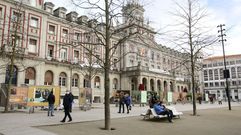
<point x="165" y="85"/>
<point x="86" y="82"/>
<point x="115" y="83"/>
<point x="62" y="79"/>
<point x="159" y="85"/>
<point x="171" y="87"/>
<point x="48" y="78"/>
<point x="178" y="88"/>
<point x="144" y="82"/>
<point x="14" y="75"/>
<point x="97" y="82"/>
<point x="75" y="80"/>
<point x="30" y="76"/>
<point x="133" y="83"/>
<point x="152" y="85"/>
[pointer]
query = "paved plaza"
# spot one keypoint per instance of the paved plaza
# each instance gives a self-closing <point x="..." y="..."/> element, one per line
<point x="212" y="119"/>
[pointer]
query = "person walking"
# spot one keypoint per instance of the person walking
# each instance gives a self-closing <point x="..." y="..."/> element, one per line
<point x="220" y="100"/>
<point x="67" y="101"/>
<point x="51" y="101"/>
<point x="121" y="102"/>
<point x="128" y="102"/>
<point x="72" y="101"/>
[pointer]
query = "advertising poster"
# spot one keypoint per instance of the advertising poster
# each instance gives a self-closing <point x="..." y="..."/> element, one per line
<point x="37" y="95"/>
<point x="18" y="95"/>
<point x="206" y="97"/>
<point x="143" y="96"/>
<point x="85" y="96"/>
<point x="169" y="97"/>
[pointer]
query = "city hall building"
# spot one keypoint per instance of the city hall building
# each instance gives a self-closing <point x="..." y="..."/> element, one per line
<point x="213" y="77"/>
<point x="48" y="53"/>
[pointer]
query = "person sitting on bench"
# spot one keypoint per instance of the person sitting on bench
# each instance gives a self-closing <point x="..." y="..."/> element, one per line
<point x="162" y="110"/>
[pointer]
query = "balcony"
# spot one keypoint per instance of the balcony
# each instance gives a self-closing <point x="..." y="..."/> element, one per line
<point x="135" y="68"/>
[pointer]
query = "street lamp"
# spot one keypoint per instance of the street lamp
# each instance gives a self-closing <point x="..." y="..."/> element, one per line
<point x="226" y="71"/>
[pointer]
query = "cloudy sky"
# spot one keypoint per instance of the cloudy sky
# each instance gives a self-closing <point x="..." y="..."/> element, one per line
<point x="226" y="12"/>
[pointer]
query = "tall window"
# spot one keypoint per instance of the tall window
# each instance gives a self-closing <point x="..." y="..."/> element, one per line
<point x="216" y="74"/>
<point x="233" y="72"/>
<point x="51" y="29"/>
<point x="62" y="79"/>
<point x="50" y="50"/>
<point x="48" y="78"/>
<point x="76" y="55"/>
<point x="34" y="22"/>
<point x="14" y="75"/>
<point x="221" y="73"/>
<point x="239" y="72"/>
<point x="16" y="17"/>
<point x="115" y="63"/>
<point x="77" y="36"/>
<point x="97" y="82"/>
<point x="32" y="47"/>
<point x="152" y="55"/>
<point x="1" y="12"/>
<point x="16" y="40"/>
<point x="86" y="82"/>
<point x="63" y="54"/>
<point x="205" y="74"/>
<point x="30" y="76"/>
<point x="210" y="74"/>
<point x="75" y="80"/>
<point x="115" y="83"/>
<point x="65" y="33"/>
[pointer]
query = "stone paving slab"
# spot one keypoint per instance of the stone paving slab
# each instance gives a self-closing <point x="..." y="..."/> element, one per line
<point x="219" y="121"/>
<point x="21" y="123"/>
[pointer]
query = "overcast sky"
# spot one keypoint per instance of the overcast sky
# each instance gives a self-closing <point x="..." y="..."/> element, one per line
<point x="226" y="12"/>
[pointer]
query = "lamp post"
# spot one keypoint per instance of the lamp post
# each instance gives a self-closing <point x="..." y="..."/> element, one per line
<point x="226" y="71"/>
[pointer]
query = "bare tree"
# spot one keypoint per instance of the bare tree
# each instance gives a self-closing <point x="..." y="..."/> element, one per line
<point x="192" y="37"/>
<point x="111" y="36"/>
<point x="11" y="52"/>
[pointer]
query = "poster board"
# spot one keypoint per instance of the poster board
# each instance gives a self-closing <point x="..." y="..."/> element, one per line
<point x="18" y="95"/>
<point x="169" y="97"/>
<point x="85" y="96"/>
<point x="37" y="95"/>
<point x="143" y="96"/>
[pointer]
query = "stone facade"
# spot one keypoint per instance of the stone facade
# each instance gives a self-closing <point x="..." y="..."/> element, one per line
<point x="47" y="40"/>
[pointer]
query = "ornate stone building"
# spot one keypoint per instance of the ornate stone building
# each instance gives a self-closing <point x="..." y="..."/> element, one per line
<point x="49" y="54"/>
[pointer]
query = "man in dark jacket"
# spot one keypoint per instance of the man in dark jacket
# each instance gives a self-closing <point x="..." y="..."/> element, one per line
<point x="51" y="101"/>
<point x="121" y="102"/>
<point x="67" y="101"/>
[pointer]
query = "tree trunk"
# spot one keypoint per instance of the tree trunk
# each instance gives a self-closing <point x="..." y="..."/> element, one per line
<point x="192" y="57"/>
<point x="107" y="67"/>
<point x="11" y="67"/>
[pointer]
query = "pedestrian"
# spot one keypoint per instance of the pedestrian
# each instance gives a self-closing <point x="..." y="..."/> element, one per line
<point x="67" y="101"/>
<point x="121" y="102"/>
<point x="199" y="98"/>
<point x="211" y="99"/>
<point x="72" y="101"/>
<point x="128" y="102"/>
<point x="220" y="100"/>
<point x="51" y="101"/>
